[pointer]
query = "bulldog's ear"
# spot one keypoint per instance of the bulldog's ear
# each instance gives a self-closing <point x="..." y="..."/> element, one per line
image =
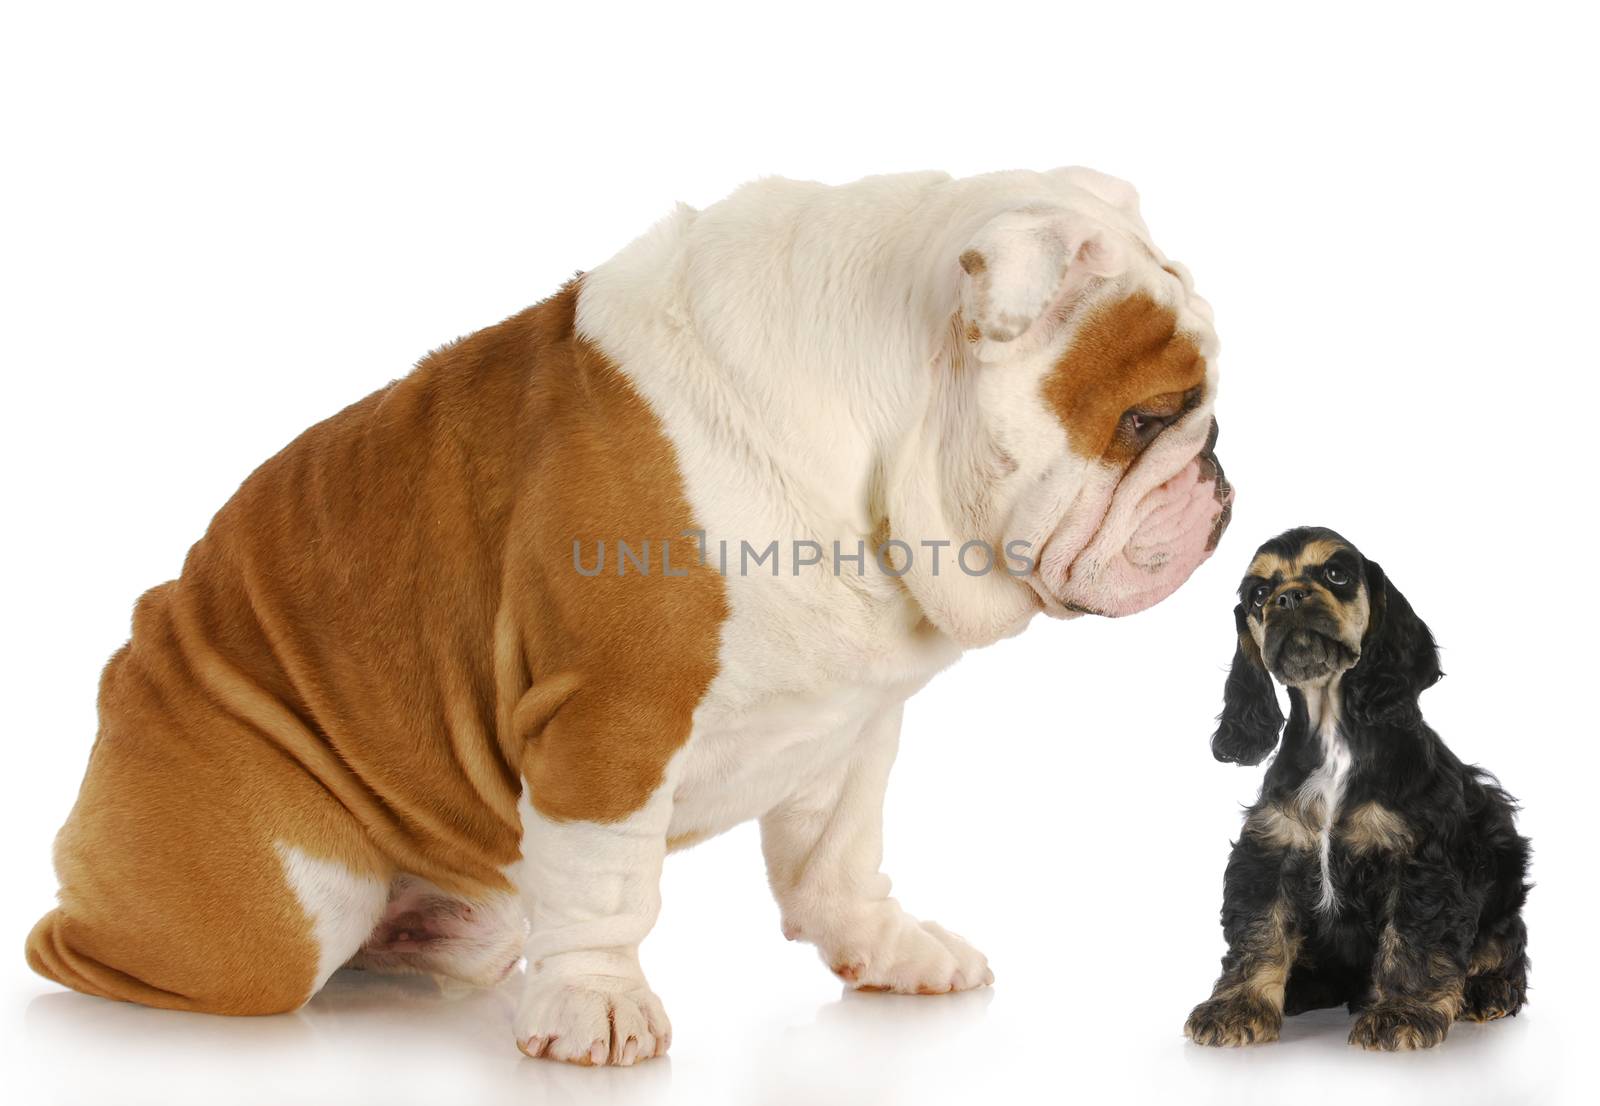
<point x="1248" y="727"/>
<point x="1022" y="263"/>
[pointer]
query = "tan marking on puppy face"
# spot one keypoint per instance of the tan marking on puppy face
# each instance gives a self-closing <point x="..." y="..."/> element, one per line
<point x="1127" y="356"/>
<point x="1282" y="827"/>
<point x="1350" y="612"/>
<point x="1373" y="828"/>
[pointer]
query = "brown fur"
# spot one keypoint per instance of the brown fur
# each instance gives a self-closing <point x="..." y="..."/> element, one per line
<point x="1314" y="553"/>
<point x="378" y="638"/>
<point x="1283" y="827"/>
<point x="1373" y="828"/>
<point x="1125" y="354"/>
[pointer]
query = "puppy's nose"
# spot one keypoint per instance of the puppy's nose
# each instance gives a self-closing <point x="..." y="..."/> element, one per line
<point x="1290" y="598"/>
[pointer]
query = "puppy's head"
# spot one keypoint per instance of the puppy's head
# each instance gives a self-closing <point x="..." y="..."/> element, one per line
<point x="1312" y="607"/>
<point x="1306" y="605"/>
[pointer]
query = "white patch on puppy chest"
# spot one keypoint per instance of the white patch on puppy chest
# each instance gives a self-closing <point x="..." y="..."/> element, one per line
<point x="1325" y="786"/>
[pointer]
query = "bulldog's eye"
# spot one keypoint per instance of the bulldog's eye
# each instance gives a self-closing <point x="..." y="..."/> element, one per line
<point x="1259" y="595"/>
<point x="1336" y="576"/>
<point x="1144" y="425"/>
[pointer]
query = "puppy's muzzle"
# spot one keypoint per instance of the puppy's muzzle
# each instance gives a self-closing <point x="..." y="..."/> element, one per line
<point x="1301" y="644"/>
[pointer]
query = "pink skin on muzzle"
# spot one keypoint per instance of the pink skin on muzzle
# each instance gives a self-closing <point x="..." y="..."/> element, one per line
<point x="1145" y="540"/>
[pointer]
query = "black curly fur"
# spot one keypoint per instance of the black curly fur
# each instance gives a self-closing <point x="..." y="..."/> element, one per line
<point x="1420" y="933"/>
<point x="1247" y="728"/>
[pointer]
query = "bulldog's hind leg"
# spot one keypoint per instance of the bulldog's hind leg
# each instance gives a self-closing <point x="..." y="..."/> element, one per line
<point x="204" y="872"/>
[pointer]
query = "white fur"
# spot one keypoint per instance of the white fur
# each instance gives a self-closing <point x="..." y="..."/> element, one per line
<point x="591" y="893"/>
<point x="343" y="906"/>
<point x="1327" y="782"/>
<point x="823" y="846"/>
<point x="803" y="349"/>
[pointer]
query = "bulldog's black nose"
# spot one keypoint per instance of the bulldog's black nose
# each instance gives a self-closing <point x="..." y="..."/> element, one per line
<point x="1290" y="598"/>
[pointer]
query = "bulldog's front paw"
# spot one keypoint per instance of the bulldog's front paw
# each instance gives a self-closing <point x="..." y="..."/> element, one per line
<point x="592" y="1020"/>
<point x="1397" y="1026"/>
<point x="1232" y="1022"/>
<point x="889" y="950"/>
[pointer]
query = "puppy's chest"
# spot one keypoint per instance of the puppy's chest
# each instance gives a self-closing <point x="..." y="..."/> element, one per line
<point x="1336" y="842"/>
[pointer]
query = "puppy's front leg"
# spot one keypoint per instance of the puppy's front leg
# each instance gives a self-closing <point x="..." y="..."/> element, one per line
<point x="1262" y="930"/>
<point x="592" y="892"/>
<point x="1420" y="969"/>
<point x="823" y="848"/>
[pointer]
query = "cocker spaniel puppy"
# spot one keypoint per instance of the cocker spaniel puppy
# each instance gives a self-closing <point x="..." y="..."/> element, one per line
<point x="1376" y="869"/>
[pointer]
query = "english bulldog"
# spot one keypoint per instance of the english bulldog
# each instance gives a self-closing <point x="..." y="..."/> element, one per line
<point x="450" y="675"/>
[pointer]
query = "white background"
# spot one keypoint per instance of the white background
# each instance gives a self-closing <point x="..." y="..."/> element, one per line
<point x="219" y="227"/>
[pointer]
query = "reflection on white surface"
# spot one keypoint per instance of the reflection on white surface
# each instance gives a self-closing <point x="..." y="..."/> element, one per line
<point x="402" y="1039"/>
<point x="369" y="1038"/>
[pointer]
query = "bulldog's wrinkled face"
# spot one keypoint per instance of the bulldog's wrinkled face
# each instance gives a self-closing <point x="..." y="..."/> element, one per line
<point x="1095" y="371"/>
<point x="1307" y="606"/>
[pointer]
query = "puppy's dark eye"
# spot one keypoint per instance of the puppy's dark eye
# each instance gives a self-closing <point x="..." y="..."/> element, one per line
<point x="1259" y="595"/>
<point x="1336" y="576"/>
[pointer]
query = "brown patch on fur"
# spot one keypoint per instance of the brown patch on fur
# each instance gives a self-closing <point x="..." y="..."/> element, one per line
<point x="972" y="262"/>
<point x="1373" y="828"/>
<point x="1123" y="355"/>
<point x="1266" y="565"/>
<point x="1282" y="826"/>
<point x="639" y="649"/>
<point x="380" y="635"/>
<point x="1488" y="957"/>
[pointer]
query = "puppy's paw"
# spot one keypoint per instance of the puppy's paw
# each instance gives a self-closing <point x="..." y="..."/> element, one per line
<point x="592" y="1020"/>
<point x="1232" y="1022"/>
<point x="1396" y="1026"/>
<point x="1488" y="997"/>
<point x="889" y="950"/>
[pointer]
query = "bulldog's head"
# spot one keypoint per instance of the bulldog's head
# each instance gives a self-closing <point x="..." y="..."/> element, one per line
<point x="1072" y="414"/>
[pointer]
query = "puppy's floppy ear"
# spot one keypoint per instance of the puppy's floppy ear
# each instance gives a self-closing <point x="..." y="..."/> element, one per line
<point x="1399" y="660"/>
<point x="1022" y="263"/>
<point x="1248" y="727"/>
